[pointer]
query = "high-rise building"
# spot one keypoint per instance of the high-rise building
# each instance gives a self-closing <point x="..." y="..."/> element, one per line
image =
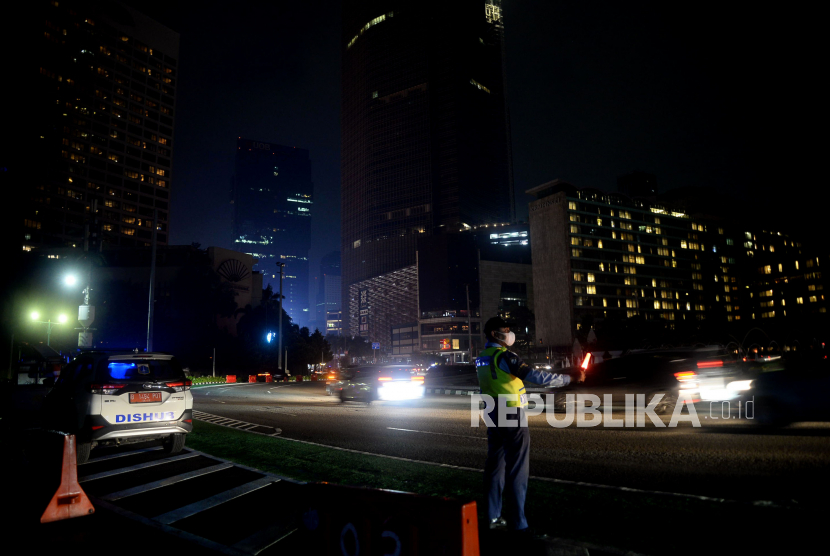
<point x="100" y="133"/>
<point x="486" y="268"/>
<point x="272" y="197"/>
<point x="603" y="259"/>
<point x="424" y="132"/>
<point x="327" y="317"/>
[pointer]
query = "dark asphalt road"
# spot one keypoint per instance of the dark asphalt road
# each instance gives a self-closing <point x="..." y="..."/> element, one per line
<point x="733" y="460"/>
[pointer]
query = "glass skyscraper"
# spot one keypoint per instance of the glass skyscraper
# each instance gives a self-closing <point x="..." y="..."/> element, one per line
<point x="425" y="139"/>
<point x="328" y="295"/>
<point x="272" y="197"/>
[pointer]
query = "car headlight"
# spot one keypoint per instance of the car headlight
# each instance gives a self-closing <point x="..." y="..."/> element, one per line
<point x="739" y="385"/>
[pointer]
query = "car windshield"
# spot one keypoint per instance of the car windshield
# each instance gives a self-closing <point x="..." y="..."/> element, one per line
<point x="397" y="372"/>
<point x="145" y="369"/>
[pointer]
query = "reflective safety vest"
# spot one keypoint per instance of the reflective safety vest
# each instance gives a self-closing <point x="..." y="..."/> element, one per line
<point x="494" y="381"/>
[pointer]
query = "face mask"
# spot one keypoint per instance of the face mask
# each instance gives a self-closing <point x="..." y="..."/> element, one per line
<point x="508" y="338"/>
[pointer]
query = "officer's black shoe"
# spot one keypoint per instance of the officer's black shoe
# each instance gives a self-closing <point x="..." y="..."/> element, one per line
<point x="498" y="523"/>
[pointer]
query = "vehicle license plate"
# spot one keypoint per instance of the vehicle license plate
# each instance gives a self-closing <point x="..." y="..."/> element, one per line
<point x="145" y="397"/>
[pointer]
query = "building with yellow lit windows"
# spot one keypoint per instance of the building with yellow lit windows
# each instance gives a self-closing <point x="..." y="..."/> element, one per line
<point x="600" y="257"/>
<point x="105" y="101"/>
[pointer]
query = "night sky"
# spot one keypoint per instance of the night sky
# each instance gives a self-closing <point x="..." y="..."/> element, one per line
<point x="696" y="93"/>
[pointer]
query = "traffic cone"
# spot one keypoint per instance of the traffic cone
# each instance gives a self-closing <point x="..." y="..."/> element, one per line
<point x="70" y="500"/>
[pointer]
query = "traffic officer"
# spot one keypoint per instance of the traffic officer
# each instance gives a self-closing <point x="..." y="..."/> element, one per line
<point x="502" y="372"/>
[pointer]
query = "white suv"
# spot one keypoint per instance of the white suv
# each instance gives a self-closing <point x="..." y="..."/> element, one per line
<point x="108" y="398"/>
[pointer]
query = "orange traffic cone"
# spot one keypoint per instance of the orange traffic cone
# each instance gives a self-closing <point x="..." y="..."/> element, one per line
<point x="70" y="500"/>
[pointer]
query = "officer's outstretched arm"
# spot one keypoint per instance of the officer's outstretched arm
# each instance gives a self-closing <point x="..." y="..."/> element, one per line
<point x="513" y="364"/>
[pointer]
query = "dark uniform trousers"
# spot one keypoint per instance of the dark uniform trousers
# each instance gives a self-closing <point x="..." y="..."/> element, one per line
<point x="507" y="469"/>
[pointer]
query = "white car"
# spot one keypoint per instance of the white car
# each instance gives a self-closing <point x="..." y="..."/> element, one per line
<point x="107" y="398"/>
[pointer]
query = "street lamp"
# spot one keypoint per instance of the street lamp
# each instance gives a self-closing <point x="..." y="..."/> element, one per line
<point x="61" y="320"/>
<point x="281" y="268"/>
<point x="86" y="312"/>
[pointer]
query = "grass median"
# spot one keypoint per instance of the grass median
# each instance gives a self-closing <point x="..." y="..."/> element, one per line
<point x="647" y="523"/>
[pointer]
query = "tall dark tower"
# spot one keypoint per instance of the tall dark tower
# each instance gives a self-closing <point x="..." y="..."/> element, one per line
<point x="272" y="198"/>
<point x="424" y="129"/>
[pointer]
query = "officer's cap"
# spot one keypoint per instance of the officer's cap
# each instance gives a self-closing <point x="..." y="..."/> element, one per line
<point x="495" y="323"/>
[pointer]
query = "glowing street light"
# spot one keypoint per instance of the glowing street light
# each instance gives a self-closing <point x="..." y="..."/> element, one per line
<point x="61" y="320"/>
<point x="70" y="280"/>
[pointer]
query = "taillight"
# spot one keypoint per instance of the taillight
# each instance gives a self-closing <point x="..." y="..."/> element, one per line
<point x="417" y="379"/>
<point x="179" y="386"/>
<point x="384" y="378"/>
<point x="709" y="364"/>
<point x="331" y="377"/>
<point x="586" y="360"/>
<point x="107" y="389"/>
<point x="685" y="375"/>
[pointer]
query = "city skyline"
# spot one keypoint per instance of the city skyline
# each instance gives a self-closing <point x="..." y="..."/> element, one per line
<point x="292" y="256"/>
<point x="594" y="92"/>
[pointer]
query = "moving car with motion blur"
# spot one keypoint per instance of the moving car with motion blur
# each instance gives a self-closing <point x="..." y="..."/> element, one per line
<point x="382" y="382"/>
<point x="710" y="373"/>
<point x="334" y="381"/>
<point x="109" y="399"/>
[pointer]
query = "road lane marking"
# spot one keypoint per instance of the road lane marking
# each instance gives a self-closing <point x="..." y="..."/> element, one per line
<point x="439" y="433"/>
<point x="234" y="424"/>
